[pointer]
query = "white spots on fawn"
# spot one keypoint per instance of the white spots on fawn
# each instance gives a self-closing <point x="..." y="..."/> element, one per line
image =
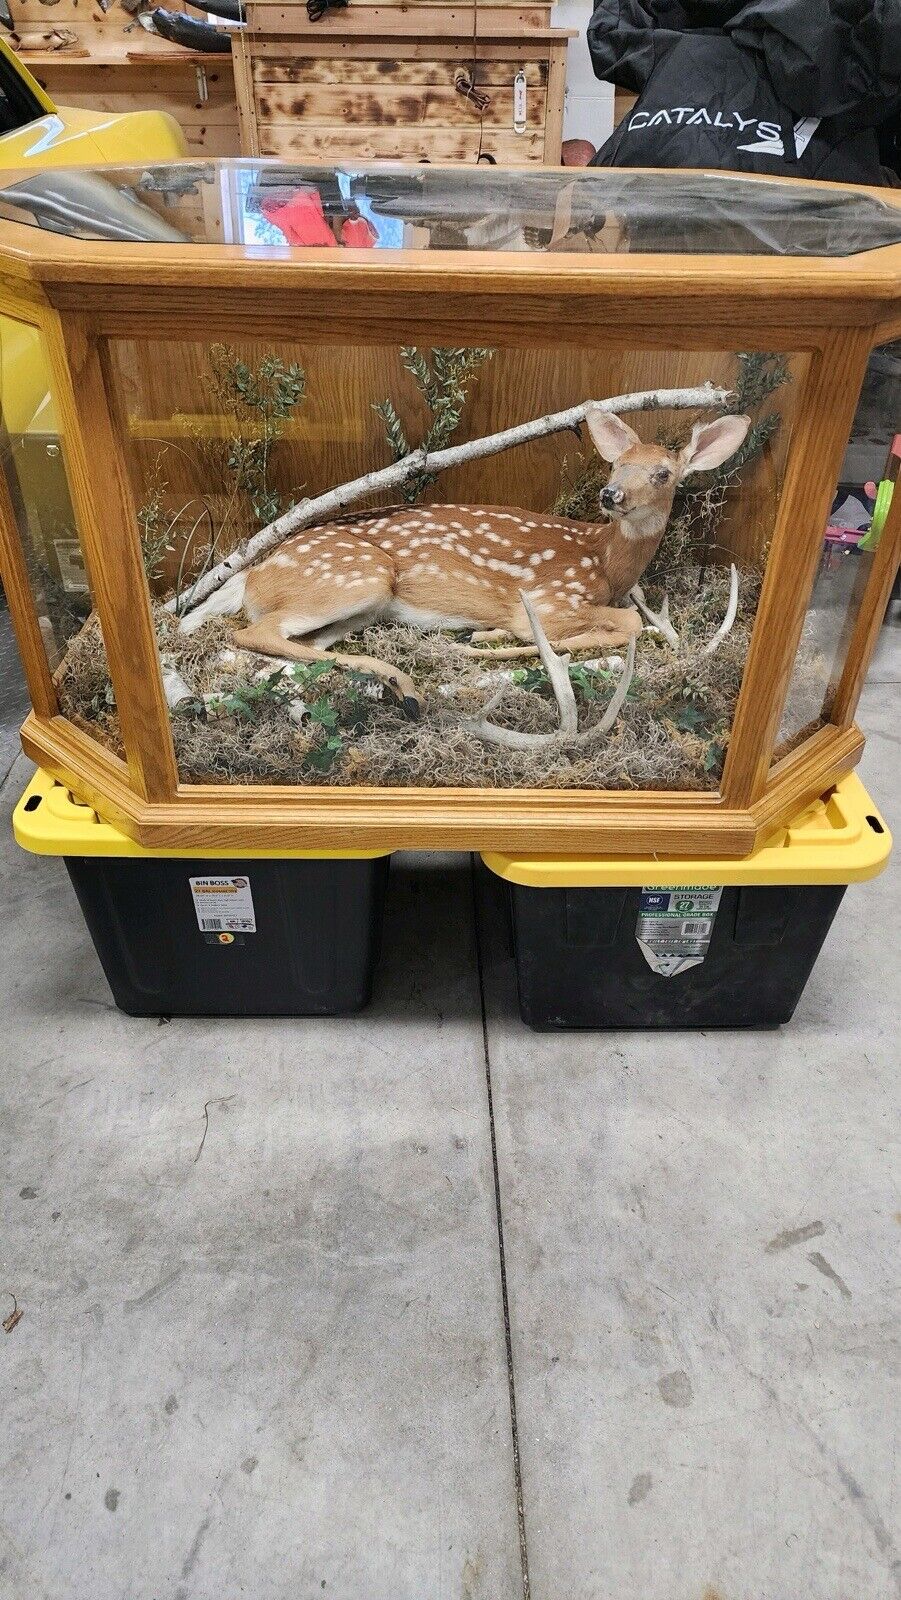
<point x="586" y="562"/>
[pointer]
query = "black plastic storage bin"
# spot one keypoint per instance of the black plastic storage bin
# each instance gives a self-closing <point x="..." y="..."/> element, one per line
<point x="579" y="963"/>
<point x="262" y="936"/>
<point x="687" y="944"/>
<point x="313" y="952"/>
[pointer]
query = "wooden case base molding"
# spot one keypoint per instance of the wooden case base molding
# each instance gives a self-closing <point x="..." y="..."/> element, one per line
<point x="209" y="819"/>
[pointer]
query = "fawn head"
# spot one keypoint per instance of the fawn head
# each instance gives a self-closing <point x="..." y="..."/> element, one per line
<point x="639" y="492"/>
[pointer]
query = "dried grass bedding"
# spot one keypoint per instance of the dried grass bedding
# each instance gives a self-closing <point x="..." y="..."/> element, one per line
<point x="251" y="719"/>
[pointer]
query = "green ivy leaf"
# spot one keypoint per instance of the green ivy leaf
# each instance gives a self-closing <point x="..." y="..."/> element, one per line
<point x="323" y="711"/>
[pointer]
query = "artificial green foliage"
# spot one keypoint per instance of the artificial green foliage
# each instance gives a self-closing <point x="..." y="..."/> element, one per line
<point x="156" y="526"/>
<point x="329" y="722"/>
<point x="239" y="493"/>
<point x="589" y="683"/>
<point x="443" y="380"/>
<point x="261" y="400"/>
<point x="758" y="376"/>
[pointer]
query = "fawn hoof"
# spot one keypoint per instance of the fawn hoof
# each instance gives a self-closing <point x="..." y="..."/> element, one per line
<point x="411" y="708"/>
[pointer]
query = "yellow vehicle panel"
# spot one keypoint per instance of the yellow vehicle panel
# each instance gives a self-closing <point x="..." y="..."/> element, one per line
<point x="63" y="137"/>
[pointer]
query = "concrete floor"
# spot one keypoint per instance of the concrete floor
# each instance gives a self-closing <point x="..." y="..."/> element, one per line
<point x="278" y="1360"/>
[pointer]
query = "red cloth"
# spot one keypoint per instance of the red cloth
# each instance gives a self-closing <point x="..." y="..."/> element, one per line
<point x="301" y="219"/>
<point x="358" y="233"/>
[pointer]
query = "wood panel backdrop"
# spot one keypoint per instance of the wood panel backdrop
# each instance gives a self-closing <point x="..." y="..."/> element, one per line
<point x="336" y="435"/>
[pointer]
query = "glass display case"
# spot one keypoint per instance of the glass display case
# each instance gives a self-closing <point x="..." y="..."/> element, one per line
<point x="469" y="508"/>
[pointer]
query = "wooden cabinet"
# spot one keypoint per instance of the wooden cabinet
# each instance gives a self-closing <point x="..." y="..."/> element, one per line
<point x="418" y="83"/>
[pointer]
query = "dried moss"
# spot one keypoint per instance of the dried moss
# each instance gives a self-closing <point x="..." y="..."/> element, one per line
<point x="246" y="724"/>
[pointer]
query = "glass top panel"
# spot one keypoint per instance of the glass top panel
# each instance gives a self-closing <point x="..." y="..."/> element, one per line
<point x="269" y="206"/>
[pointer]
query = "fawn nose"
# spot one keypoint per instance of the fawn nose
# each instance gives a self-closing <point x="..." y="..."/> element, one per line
<point x="611" y="496"/>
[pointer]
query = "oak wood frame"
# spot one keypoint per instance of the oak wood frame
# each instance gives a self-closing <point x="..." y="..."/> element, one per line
<point x="83" y="295"/>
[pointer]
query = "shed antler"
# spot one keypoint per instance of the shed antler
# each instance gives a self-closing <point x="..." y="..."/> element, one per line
<point x="557" y="669"/>
<point x="731" y="614"/>
<point x="661" y="619"/>
<point x="658" y="619"/>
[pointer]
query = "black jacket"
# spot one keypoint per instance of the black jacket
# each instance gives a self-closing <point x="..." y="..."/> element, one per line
<point x="788" y="87"/>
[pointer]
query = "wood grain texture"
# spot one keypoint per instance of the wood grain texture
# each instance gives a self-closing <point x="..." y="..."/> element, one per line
<point x="821" y="431"/>
<point x="93" y="773"/>
<point x="303" y="141"/>
<point x="804" y="775"/>
<point x="433" y="21"/>
<point x="225" y="817"/>
<point x="337" y="435"/>
<point x="536" y="309"/>
<point x="210" y="127"/>
<point x="556" y="101"/>
<point x="350" y="108"/>
<point x="405" y="105"/>
<point x="384" y="71"/>
<point x="244" y="95"/>
<point x="108" y="530"/>
<point x="499" y="46"/>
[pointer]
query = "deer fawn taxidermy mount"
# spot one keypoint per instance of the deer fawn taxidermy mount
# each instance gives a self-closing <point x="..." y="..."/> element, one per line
<point x="458" y="567"/>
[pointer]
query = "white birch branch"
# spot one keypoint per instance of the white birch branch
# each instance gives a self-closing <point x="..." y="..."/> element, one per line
<point x="174" y="687"/>
<point x="331" y="504"/>
<point x="731" y="614"/>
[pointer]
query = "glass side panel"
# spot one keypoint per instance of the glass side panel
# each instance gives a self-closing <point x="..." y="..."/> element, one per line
<point x="356" y="652"/>
<point x="270" y="205"/>
<point x="869" y="474"/>
<point x="35" y="472"/>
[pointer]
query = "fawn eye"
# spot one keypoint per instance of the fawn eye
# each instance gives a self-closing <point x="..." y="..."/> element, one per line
<point x="661" y="475"/>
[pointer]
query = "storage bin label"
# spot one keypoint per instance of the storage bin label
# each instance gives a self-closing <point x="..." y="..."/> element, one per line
<point x="223" y="907"/>
<point x="675" y="926"/>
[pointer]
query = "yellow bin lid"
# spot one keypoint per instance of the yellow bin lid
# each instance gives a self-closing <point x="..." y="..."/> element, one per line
<point x="841" y="838"/>
<point x="50" y="821"/>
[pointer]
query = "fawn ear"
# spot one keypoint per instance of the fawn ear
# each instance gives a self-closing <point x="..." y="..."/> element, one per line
<point x="610" y="434"/>
<point x="712" y="443"/>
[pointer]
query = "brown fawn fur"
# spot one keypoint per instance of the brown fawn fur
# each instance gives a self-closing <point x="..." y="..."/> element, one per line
<point x="456" y="567"/>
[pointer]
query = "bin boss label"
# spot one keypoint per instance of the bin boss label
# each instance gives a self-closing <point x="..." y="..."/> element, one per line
<point x="224" y="908"/>
<point x="675" y="926"/>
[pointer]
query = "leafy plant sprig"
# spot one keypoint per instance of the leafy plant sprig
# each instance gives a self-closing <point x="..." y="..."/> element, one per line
<point x="261" y="400"/>
<point x="444" y="383"/>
